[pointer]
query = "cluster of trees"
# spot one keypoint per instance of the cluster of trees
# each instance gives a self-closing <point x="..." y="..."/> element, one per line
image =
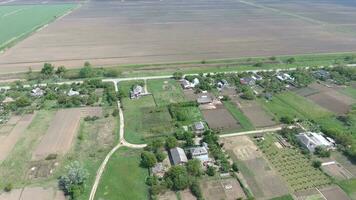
<point x="73" y="182"/>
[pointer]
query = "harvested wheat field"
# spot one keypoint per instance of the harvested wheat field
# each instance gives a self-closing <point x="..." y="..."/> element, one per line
<point x="168" y="31"/>
<point x="8" y="141"/>
<point x="61" y="132"/>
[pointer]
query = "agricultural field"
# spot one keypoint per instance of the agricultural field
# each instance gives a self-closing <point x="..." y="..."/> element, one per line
<point x="262" y="179"/>
<point x="328" y="97"/>
<point x="170" y="31"/>
<point x="19" y="21"/>
<point x="349" y="186"/>
<point x="296" y="169"/>
<point x="239" y="116"/>
<point x="221" y="120"/>
<point x="123" y="177"/>
<point x="350" y="91"/>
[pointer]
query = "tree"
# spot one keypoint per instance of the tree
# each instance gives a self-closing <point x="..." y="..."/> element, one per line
<point x="160" y="155"/>
<point x="248" y="94"/>
<point x="61" y="71"/>
<point x="177" y="75"/>
<point x="286" y="119"/>
<point x="259" y="64"/>
<point x="194" y="167"/>
<point x="322" y="152"/>
<point x="235" y="167"/>
<point x="148" y="159"/>
<point x="22" y="101"/>
<point x="177" y="178"/>
<point x="86" y="72"/>
<point x="210" y="171"/>
<point x="47" y="69"/>
<point x="196" y="191"/>
<point x="316" y="164"/>
<point x="73" y="182"/>
<point x="171" y="142"/>
<point x="291" y="60"/>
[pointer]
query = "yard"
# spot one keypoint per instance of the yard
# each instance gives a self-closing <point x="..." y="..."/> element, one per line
<point x="18" y="21"/>
<point x="239" y="116"/>
<point x="143" y="119"/>
<point x="123" y="177"/>
<point x="295" y="168"/>
<point x="186" y="114"/>
<point x="165" y="91"/>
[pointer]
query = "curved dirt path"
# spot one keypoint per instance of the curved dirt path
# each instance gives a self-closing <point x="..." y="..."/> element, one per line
<point x="122" y="142"/>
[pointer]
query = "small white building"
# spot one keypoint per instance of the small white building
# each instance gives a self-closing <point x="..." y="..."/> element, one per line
<point x="198" y="128"/>
<point x="72" y="92"/>
<point x="136" y="92"/>
<point x="311" y="140"/>
<point x="284" y="77"/>
<point x="37" y="92"/>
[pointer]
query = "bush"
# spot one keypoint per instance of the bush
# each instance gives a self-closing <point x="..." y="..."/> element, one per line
<point x="90" y="118"/>
<point x="51" y="156"/>
<point x="286" y="120"/>
<point x="322" y="152"/>
<point x="316" y="164"/>
<point x="210" y="171"/>
<point x="8" y="187"/>
<point x="196" y="191"/>
<point x="115" y="113"/>
<point x="235" y="167"/>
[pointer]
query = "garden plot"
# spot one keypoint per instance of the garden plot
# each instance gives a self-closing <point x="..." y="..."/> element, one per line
<point x="256" y="114"/>
<point x="30" y="193"/>
<point x="295" y="168"/>
<point x="348" y="164"/>
<point x="334" y="192"/>
<point x="264" y="182"/>
<point x="221" y="120"/>
<point x="61" y="132"/>
<point x="165" y="91"/>
<point x="329" y="98"/>
<point x="168" y="195"/>
<point x="337" y="171"/>
<point x="187" y="195"/>
<point x="310" y="194"/>
<point x="228" y="189"/>
<point x="8" y="142"/>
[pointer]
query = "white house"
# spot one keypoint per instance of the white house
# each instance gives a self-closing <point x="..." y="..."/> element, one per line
<point x="37" y="92"/>
<point x="311" y="140"/>
<point x="72" y="92"/>
<point x="200" y="153"/>
<point x="284" y="77"/>
<point x="136" y="92"/>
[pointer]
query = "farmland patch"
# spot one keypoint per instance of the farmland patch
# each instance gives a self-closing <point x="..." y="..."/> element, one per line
<point x="256" y="114"/>
<point x="221" y="120"/>
<point x="228" y="189"/>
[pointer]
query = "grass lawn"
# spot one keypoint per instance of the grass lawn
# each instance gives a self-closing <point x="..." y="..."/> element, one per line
<point x="186" y="115"/>
<point x="293" y="166"/>
<point x="349" y="186"/>
<point x="165" y="91"/>
<point x="123" y="177"/>
<point x="239" y="116"/>
<point x="143" y="119"/>
<point x="18" y="21"/>
<point x="350" y="91"/>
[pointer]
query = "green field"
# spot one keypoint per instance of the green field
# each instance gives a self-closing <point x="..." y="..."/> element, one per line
<point x="165" y="91"/>
<point x="239" y="116"/>
<point x="123" y="177"/>
<point x="18" y="21"/>
<point x="285" y="197"/>
<point x="294" y="167"/>
<point x="350" y="91"/>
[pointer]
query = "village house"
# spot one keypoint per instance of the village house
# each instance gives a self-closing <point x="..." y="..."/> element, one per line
<point x="284" y="77"/>
<point x="37" y="92"/>
<point x="247" y="81"/>
<point x="198" y="128"/>
<point x="223" y="83"/>
<point x="178" y="156"/>
<point x="200" y="153"/>
<point x="256" y="77"/>
<point x="321" y="74"/>
<point x="311" y="140"/>
<point x="72" y="92"/>
<point x="136" y="92"/>
<point x="189" y="85"/>
<point x="204" y="99"/>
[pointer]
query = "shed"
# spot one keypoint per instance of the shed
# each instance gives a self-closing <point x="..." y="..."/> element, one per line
<point x="178" y="156"/>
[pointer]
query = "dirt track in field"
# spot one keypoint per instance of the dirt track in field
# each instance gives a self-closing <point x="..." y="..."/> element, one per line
<point x="118" y="32"/>
<point x="61" y="132"/>
<point x="8" y="141"/>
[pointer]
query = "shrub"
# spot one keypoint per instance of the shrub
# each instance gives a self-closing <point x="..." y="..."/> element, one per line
<point x="8" y="187"/>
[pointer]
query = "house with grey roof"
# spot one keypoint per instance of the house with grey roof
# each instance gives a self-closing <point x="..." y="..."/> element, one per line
<point x="198" y="128"/>
<point x="37" y="92"/>
<point x="247" y="81"/>
<point x="136" y="92"/>
<point x="200" y="153"/>
<point x="178" y="156"/>
<point x="311" y="140"/>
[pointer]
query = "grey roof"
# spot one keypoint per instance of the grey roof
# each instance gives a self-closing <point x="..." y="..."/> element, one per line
<point x="178" y="156"/>
<point x="199" y="126"/>
<point x="137" y="89"/>
<point x="198" y="151"/>
<point x="204" y="99"/>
